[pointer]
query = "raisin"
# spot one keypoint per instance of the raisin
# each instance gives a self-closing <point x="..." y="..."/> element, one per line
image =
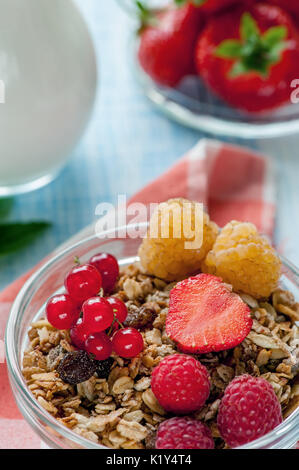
<point x="140" y="317"/>
<point x="104" y="367"/>
<point x="76" y="367"/>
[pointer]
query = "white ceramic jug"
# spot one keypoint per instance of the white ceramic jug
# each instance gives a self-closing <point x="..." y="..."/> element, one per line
<point x="48" y="82"/>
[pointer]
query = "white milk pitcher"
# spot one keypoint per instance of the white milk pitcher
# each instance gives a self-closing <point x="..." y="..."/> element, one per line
<point x="48" y="82"/>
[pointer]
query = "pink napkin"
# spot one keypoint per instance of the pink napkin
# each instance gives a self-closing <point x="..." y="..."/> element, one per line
<point x="233" y="182"/>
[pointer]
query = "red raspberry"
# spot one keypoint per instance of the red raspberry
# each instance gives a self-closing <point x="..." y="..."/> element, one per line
<point x="249" y="409"/>
<point x="180" y="383"/>
<point x="184" y="433"/>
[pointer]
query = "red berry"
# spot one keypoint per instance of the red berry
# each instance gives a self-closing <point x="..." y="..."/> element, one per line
<point x="82" y="282"/>
<point x="180" y="383"/>
<point x="119" y="308"/>
<point x="79" y="334"/>
<point x="127" y="343"/>
<point x="166" y="49"/>
<point x="184" y="433"/>
<point x="249" y="409"/>
<point x="100" y="345"/>
<point x="62" y="311"/>
<point x="97" y="314"/>
<point x="108" y="267"/>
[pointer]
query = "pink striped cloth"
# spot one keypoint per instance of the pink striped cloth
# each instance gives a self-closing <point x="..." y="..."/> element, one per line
<point x="233" y="182"/>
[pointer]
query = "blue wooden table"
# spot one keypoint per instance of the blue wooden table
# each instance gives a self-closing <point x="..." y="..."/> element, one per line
<point x="127" y="144"/>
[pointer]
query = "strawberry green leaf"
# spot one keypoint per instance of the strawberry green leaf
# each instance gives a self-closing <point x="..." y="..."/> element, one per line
<point x="197" y="3"/>
<point x="229" y="49"/>
<point x="274" y="35"/>
<point x="249" y="29"/>
<point x="147" y="16"/>
<point x="238" y="69"/>
<point x="14" y="236"/>
<point x="274" y="54"/>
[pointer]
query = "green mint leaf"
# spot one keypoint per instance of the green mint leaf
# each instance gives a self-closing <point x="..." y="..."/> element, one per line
<point x="274" y="36"/>
<point x="6" y="206"/>
<point x="249" y="29"/>
<point x="230" y="49"/>
<point x="14" y="236"/>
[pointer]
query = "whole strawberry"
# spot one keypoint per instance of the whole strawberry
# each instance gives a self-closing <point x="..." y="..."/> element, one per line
<point x="184" y="433"/>
<point x="249" y="57"/>
<point x="249" y="409"/>
<point x="167" y="42"/>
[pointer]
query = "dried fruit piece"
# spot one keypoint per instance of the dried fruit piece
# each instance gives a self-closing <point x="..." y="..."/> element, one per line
<point x="76" y="367"/>
<point x="176" y="222"/>
<point x="204" y="315"/>
<point x="104" y="367"/>
<point x="245" y="259"/>
<point x="140" y="317"/>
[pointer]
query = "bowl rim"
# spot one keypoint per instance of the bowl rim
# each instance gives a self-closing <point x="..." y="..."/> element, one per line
<point x="15" y="372"/>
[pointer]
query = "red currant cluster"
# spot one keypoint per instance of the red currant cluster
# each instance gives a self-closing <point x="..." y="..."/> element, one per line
<point x="99" y="330"/>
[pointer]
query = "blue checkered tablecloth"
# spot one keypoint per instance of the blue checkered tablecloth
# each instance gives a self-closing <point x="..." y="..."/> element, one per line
<point x="127" y="144"/>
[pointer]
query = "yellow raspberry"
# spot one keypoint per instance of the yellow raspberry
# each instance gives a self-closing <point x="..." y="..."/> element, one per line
<point x="245" y="259"/>
<point x="165" y="252"/>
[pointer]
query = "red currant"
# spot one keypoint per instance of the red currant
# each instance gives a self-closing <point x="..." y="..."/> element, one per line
<point x="82" y="282"/>
<point x="97" y="314"/>
<point x="79" y="334"/>
<point x="127" y="343"/>
<point x="100" y="345"/>
<point x="62" y="311"/>
<point x="119" y="308"/>
<point x="107" y="266"/>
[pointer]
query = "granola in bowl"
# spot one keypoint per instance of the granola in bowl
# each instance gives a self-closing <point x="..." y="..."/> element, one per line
<point x="111" y="400"/>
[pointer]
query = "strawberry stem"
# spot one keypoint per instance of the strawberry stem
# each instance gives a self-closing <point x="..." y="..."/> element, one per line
<point x="255" y="51"/>
<point x="196" y="3"/>
<point x="147" y="16"/>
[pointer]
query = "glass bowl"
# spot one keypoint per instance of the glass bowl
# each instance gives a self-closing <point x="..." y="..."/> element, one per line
<point x="29" y="305"/>
<point x="192" y="104"/>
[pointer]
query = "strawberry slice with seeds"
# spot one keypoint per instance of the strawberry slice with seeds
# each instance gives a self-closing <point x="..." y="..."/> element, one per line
<point x="204" y="315"/>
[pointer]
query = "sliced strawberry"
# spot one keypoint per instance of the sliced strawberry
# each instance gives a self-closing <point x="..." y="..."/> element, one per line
<point x="204" y="315"/>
